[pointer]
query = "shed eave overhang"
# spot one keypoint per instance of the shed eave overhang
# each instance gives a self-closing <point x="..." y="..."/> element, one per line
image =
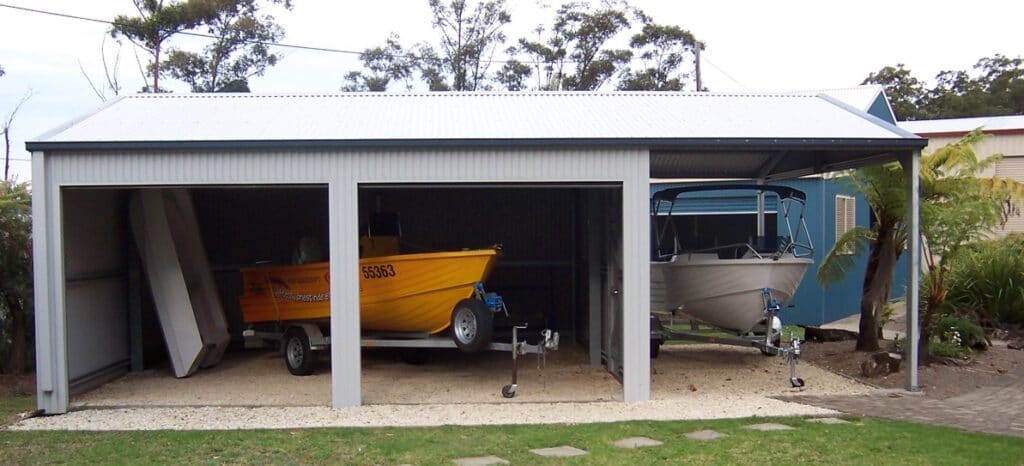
<point x="653" y="144"/>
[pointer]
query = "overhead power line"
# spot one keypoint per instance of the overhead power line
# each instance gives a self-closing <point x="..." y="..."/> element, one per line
<point x="704" y="57"/>
<point x="184" y="33"/>
<point x="311" y="48"/>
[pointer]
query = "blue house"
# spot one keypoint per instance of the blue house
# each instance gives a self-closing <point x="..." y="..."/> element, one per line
<point x="833" y="207"/>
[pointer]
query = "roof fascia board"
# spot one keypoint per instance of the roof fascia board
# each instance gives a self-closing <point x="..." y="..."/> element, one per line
<point x="654" y="144"/>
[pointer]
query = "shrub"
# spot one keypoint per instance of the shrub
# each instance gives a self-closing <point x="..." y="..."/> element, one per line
<point x="15" y="278"/>
<point x="944" y="349"/>
<point x="988" y="279"/>
<point x="960" y="331"/>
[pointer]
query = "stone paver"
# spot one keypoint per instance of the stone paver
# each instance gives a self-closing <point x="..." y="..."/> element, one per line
<point x="827" y="420"/>
<point x="993" y="409"/>
<point x="705" y="434"/>
<point x="637" y="442"/>
<point x="480" y="461"/>
<point x="559" y="452"/>
<point x="768" y="426"/>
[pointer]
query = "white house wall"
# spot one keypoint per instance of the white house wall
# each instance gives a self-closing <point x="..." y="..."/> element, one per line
<point x="341" y="171"/>
<point x="1011" y="147"/>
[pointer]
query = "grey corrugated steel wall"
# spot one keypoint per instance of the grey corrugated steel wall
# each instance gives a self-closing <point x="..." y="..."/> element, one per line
<point x="342" y="171"/>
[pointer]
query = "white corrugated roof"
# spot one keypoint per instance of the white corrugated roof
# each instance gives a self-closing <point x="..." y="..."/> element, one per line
<point x="964" y="125"/>
<point x="859" y="97"/>
<point x="468" y="116"/>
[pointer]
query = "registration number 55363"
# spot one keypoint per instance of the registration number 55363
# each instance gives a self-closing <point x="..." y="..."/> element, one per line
<point x="378" y="271"/>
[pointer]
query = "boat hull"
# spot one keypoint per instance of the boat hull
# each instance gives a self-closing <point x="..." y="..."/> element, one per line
<point x="399" y="293"/>
<point x="726" y="293"/>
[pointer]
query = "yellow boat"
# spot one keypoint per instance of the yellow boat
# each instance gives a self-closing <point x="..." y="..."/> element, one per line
<point x="397" y="293"/>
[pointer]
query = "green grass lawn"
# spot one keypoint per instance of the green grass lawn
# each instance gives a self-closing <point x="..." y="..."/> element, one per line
<point x="865" y="441"/>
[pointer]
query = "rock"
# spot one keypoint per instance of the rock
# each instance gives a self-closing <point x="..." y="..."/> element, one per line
<point x="1017" y="344"/>
<point x="819" y="334"/>
<point x="883" y="363"/>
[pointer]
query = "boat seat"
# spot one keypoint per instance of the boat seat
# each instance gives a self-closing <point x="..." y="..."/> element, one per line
<point x="766" y="244"/>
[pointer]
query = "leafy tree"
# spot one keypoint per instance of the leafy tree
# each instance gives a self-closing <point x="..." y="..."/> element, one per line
<point x="573" y="54"/>
<point x="663" y="49"/>
<point x="962" y="208"/>
<point x="513" y="75"/>
<point x="157" y="22"/>
<point x="957" y="207"/>
<point x="382" y="65"/>
<point x="240" y="50"/>
<point x="2" y="72"/>
<point x="1003" y="79"/>
<point x="15" y="276"/>
<point x="469" y="38"/>
<point x="574" y="57"/>
<point x="906" y="93"/>
<point x="997" y="89"/>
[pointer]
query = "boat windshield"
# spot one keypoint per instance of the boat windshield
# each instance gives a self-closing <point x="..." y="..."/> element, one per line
<point x="793" y="237"/>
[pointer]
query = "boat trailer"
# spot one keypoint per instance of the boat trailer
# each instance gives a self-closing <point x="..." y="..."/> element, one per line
<point x="770" y="343"/>
<point x="300" y="341"/>
<point x="549" y="342"/>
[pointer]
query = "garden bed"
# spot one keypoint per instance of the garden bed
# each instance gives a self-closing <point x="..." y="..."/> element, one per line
<point x="939" y="379"/>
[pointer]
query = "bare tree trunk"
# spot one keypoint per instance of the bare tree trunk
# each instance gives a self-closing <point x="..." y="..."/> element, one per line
<point x="156" y="70"/>
<point x="16" y="358"/>
<point x="7" y="153"/>
<point x="875" y="292"/>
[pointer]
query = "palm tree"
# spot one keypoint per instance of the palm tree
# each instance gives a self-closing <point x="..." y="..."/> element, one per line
<point x="883" y="188"/>
<point x="957" y="207"/>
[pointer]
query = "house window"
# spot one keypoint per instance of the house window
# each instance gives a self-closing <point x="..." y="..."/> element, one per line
<point x="846" y="219"/>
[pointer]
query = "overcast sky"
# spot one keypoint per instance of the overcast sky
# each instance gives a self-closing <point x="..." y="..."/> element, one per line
<point x="751" y="46"/>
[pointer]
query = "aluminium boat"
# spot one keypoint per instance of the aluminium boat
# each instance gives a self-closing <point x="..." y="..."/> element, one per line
<point x="736" y="287"/>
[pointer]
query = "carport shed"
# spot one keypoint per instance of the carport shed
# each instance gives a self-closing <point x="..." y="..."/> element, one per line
<point x="344" y="142"/>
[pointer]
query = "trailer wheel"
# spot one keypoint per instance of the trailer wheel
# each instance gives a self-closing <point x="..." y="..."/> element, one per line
<point x="509" y="391"/>
<point x="297" y="354"/>
<point x="656" y="348"/>
<point x="472" y="325"/>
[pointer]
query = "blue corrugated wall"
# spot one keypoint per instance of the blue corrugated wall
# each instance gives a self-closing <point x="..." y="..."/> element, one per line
<point x="814" y="304"/>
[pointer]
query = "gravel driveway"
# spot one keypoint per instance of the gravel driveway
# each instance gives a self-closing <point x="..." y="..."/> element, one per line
<point x="253" y="390"/>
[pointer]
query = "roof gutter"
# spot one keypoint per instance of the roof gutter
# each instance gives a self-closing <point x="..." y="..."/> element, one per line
<point x="660" y="144"/>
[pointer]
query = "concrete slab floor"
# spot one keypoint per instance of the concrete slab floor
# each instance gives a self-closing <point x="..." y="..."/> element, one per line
<point x="259" y="378"/>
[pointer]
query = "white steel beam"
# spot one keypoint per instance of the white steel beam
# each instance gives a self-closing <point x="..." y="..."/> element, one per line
<point x="636" y="296"/>
<point x="51" y="339"/>
<point x="911" y="163"/>
<point x="346" y="382"/>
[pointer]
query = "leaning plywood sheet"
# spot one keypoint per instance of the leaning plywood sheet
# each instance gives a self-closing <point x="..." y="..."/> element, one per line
<point x="167" y="283"/>
<point x="195" y="267"/>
